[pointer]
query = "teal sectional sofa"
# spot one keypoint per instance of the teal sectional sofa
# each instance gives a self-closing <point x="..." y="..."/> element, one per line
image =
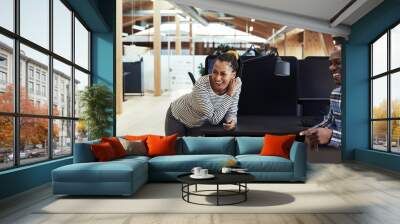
<point x="125" y="176"/>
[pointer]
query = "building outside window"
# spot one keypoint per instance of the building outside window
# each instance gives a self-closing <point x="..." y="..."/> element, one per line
<point x="30" y="72"/>
<point x="3" y="78"/>
<point x="38" y="89"/>
<point x="37" y="74"/>
<point x="43" y="90"/>
<point x="44" y="77"/>
<point x="3" y="71"/>
<point x="30" y="87"/>
<point x="3" y="61"/>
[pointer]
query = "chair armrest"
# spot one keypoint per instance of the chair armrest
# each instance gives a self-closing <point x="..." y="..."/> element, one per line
<point x="299" y="159"/>
<point x="83" y="152"/>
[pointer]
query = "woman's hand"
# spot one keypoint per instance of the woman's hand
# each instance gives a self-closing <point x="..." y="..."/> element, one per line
<point x="232" y="87"/>
<point x="229" y="125"/>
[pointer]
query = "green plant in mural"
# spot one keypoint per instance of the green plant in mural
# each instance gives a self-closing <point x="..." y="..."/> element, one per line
<point x="202" y="69"/>
<point x="96" y="102"/>
<point x="222" y="48"/>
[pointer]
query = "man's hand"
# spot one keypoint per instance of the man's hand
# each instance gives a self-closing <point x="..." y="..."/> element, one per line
<point x="232" y="87"/>
<point x="229" y="125"/>
<point x="319" y="136"/>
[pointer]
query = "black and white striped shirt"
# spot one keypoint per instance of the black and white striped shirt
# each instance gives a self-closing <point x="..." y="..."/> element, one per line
<point x="203" y="104"/>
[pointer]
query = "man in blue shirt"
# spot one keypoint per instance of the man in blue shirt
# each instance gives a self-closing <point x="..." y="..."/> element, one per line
<point x="329" y="131"/>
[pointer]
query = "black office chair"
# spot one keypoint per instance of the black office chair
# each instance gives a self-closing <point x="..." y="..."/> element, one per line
<point x="192" y="77"/>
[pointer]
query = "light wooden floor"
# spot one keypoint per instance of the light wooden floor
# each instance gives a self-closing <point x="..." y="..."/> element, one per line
<point x="145" y="114"/>
<point x="378" y="189"/>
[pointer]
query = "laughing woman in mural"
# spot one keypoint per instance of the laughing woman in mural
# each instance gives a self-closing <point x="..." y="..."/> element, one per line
<point x="214" y="99"/>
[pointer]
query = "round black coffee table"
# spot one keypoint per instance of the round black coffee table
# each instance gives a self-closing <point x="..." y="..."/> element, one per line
<point x="238" y="179"/>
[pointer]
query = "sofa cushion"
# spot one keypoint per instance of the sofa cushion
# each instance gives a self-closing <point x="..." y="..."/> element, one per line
<point x="185" y="163"/>
<point x="208" y="145"/>
<point x="112" y="171"/>
<point x="249" y="145"/>
<point x="133" y="157"/>
<point x="257" y="163"/>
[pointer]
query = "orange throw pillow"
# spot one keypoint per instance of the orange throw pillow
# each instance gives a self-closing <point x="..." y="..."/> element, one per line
<point x="103" y="152"/>
<point x="136" y="138"/>
<point x="277" y="145"/>
<point x="116" y="145"/>
<point x="161" y="145"/>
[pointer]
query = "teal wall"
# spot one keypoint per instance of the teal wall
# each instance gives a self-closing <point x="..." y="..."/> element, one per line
<point x="24" y="178"/>
<point x="356" y="85"/>
<point x="103" y="64"/>
<point x="99" y="16"/>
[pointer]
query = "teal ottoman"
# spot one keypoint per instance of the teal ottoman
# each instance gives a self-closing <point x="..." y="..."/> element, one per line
<point x="118" y="177"/>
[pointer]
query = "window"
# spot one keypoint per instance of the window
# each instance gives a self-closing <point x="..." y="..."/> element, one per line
<point x="37" y="74"/>
<point x="62" y="137"/>
<point x="30" y="87"/>
<point x="44" y="91"/>
<point x="62" y="74"/>
<point x="81" y="45"/>
<point x="6" y="142"/>
<point x="38" y="89"/>
<point x="34" y="145"/>
<point x="30" y="72"/>
<point x="81" y="81"/>
<point x="3" y="78"/>
<point x="3" y="73"/>
<point x="35" y="21"/>
<point x="6" y="73"/>
<point x="385" y="94"/>
<point x="45" y="131"/>
<point x="62" y="29"/>
<point x="3" y="61"/>
<point x="7" y="14"/>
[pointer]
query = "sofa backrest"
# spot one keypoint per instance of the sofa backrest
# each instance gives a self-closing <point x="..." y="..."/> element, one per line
<point x="206" y="145"/>
<point x="249" y="145"/>
<point x="83" y="152"/>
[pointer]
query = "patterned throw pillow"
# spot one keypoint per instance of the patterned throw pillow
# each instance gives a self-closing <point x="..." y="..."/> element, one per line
<point x="134" y="147"/>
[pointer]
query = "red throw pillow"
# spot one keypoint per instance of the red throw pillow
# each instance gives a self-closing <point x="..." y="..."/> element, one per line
<point x="103" y="151"/>
<point x="161" y="145"/>
<point x="116" y="145"/>
<point x="277" y="145"/>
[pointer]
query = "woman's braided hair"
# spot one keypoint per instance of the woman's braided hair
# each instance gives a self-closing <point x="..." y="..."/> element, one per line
<point x="231" y="57"/>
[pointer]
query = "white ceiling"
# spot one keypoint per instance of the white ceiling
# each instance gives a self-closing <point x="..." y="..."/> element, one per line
<point x="313" y="15"/>
<point x="321" y="9"/>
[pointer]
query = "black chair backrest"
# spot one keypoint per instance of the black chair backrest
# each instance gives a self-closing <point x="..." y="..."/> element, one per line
<point x="263" y="93"/>
<point x="209" y="63"/>
<point x="192" y="77"/>
<point x="315" y="79"/>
